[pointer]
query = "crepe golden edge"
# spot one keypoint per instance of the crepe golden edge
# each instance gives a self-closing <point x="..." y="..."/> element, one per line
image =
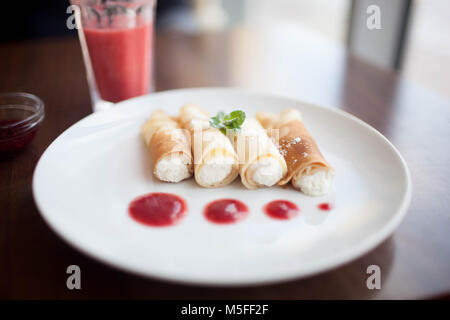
<point x="307" y="168"/>
<point x="169" y="147"/>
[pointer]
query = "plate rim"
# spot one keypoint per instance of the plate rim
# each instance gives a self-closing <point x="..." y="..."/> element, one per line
<point x="360" y="249"/>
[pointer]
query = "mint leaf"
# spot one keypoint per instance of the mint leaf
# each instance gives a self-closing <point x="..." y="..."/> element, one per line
<point x="220" y="115"/>
<point x="216" y="122"/>
<point x="232" y="121"/>
<point x="238" y="116"/>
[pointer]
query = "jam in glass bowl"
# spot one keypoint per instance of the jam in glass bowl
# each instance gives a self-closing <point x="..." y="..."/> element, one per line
<point x="20" y="117"/>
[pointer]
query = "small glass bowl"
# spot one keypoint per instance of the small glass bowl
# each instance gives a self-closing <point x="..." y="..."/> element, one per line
<point x="20" y="117"/>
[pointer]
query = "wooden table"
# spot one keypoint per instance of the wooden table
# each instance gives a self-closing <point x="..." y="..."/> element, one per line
<point x="415" y="260"/>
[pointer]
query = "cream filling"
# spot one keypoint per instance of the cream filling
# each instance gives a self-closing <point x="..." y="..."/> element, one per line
<point x="266" y="172"/>
<point x="315" y="184"/>
<point x="215" y="171"/>
<point x="172" y="169"/>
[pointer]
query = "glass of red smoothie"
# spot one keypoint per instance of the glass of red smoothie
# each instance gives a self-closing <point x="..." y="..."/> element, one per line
<point x="116" y="39"/>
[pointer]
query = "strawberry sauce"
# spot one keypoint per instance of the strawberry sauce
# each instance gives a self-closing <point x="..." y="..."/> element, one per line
<point x="157" y="209"/>
<point x="325" y="206"/>
<point x="281" y="209"/>
<point x="225" y="211"/>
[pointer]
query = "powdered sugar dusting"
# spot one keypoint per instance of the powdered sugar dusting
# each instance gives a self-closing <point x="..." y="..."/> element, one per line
<point x="285" y="145"/>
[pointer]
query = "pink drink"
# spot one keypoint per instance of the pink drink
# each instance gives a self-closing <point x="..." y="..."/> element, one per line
<point x="116" y="38"/>
<point x="121" y="59"/>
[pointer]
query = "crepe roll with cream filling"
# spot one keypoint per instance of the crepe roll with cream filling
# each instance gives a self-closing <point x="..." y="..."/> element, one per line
<point x="260" y="162"/>
<point x="215" y="161"/>
<point x="169" y="147"/>
<point x="307" y="168"/>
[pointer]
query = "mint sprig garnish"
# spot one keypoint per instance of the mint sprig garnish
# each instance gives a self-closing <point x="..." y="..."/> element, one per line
<point x="232" y="121"/>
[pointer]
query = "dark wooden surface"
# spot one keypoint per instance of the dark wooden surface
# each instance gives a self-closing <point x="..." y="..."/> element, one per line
<point x="415" y="260"/>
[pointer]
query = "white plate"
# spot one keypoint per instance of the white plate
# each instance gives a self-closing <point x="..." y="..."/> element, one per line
<point x="86" y="178"/>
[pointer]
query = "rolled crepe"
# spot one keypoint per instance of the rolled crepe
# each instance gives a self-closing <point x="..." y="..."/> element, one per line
<point x="215" y="161"/>
<point x="169" y="147"/>
<point x="260" y="162"/>
<point x="306" y="165"/>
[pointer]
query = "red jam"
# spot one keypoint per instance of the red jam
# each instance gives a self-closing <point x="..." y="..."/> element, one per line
<point x="226" y="211"/>
<point x="281" y="209"/>
<point x="14" y="138"/>
<point x="157" y="209"/>
<point x="325" y="206"/>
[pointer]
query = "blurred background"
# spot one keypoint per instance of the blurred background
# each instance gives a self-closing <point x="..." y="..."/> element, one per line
<point x="414" y="37"/>
<point x="319" y="51"/>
